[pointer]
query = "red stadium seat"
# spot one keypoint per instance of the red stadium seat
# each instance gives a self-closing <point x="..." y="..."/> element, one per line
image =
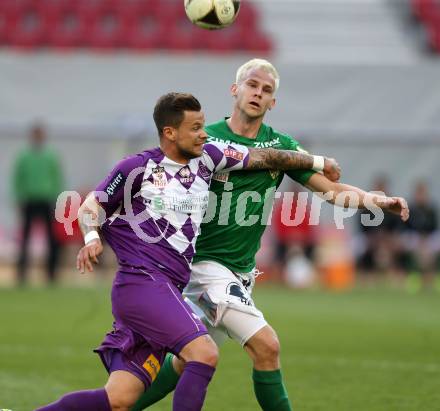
<point x="143" y="31"/>
<point x="114" y="24"/>
<point x="28" y="25"/>
<point x="257" y="42"/>
<point x="428" y="12"/>
<point x="225" y="40"/>
<point x="107" y="28"/>
<point x="425" y="9"/>
<point x="3" y="28"/>
<point x="434" y="38"/>
<point x="68" y="29"/>
<point x="248" y="15"/>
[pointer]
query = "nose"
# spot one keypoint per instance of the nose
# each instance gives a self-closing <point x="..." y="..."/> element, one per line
<point x="203" y="135"/>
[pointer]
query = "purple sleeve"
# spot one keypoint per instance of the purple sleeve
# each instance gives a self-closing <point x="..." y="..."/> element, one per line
<point x="226" y="156"/>
<point x="126" y="175"/>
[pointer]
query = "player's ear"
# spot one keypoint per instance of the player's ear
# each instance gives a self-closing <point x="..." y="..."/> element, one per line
<point x="234" y="88"/>
<point x="169" y="133"/>
<point x="272" y="104"/>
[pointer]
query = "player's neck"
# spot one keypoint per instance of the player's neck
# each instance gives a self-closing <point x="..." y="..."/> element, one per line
<point x="244" y="126"/>
<point x="173" y="153"/>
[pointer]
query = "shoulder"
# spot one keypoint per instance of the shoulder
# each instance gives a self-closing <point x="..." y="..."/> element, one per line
<point x="215" y="127"/>
<point x="51" y="154"/>
<point x="218" y="155"/>
<point x="286" y="140"/>
<point x="136" y="160"/>
<point x="155" y="154"/>
<point x="219" y="132"/>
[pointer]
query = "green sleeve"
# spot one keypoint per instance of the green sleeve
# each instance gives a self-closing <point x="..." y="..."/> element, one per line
<point x="300" y="176"/>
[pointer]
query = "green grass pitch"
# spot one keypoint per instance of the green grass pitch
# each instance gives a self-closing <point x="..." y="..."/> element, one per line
<point x="365" y="350"/>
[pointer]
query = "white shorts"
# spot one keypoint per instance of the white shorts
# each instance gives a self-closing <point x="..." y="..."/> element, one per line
<point x="222" y="299"/>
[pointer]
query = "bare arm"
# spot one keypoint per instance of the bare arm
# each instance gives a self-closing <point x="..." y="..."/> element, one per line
<point x="270" y="158"/>
<point x="90" y="217"/>
<point x="345" y="195"/>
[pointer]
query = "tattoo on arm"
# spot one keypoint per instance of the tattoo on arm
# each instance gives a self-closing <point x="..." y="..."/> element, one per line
<point x="270" y="158"/>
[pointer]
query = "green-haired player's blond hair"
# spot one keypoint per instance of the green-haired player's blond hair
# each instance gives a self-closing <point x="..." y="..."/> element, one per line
<point x="258" y="64"/>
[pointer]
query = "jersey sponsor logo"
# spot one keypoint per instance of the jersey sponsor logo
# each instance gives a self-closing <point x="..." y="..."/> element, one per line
<point x="115" y="184"/>
<point x="235" y="290"/>
<point x="223" y="177"/>
<point x="159" y="177"/>
<point x="266" y="144"/>
<point x="152" y="366"/>
<point x="188" y="203"/>
<point x="232" y="153"/>
<point x="212" y="139"/>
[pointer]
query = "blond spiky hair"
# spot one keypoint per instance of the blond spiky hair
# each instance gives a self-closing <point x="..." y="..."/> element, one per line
<point x="258" y="64"/>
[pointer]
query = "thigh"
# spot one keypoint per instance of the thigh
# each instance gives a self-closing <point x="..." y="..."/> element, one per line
<point x="226" y="303"/>
<point x="242" y="325"/>
<point x="123" y="389"/>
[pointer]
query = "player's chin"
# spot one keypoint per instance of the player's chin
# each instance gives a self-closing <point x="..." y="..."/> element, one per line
<point x="255" y="112"/>
<point x="197" y="150"/>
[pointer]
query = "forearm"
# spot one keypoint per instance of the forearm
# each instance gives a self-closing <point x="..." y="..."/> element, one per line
<point x="90" y="216"/>
<point x="270" y="158"/>
<point x="347" y="196"/>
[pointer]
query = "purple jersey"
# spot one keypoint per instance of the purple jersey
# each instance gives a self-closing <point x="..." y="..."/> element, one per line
<point x="154" y="226"/>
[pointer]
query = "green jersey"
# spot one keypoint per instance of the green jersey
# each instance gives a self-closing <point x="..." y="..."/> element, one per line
<point x="37" y="175"/>
<point x="241" y="201"/>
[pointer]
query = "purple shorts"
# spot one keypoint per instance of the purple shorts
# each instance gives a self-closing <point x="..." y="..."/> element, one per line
<point x="151" y="319"/>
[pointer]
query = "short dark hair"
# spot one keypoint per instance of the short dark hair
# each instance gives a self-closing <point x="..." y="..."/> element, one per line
<point x="169" y="109"/>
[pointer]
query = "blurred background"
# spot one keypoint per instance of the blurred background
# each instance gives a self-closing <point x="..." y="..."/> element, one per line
<point x="360" y="81"/>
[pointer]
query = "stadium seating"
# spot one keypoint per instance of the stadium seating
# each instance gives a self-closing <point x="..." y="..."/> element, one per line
<point x="141" y="25"/>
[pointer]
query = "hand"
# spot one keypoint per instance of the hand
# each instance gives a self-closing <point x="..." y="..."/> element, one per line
<point x="395" y="205"/>
<point x="88" y="255"/>
<point x="331" y="169"/>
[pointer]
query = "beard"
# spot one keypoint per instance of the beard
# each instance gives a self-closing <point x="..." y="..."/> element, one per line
<point x="190" y="154"/>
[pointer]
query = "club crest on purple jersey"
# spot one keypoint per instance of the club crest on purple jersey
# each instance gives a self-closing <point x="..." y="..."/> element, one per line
<point x="159" y="177"/>
<point x="204" y="172"/>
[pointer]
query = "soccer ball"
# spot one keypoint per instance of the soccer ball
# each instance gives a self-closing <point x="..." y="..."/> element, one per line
<point x="212" y="14"/>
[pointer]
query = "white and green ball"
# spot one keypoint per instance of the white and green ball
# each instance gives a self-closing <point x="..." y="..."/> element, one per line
<point x="212" y="14"/>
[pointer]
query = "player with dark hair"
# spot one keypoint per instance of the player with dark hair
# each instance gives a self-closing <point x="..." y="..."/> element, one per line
<point x="149" y="210"/>
<point x="223" y="273"/>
